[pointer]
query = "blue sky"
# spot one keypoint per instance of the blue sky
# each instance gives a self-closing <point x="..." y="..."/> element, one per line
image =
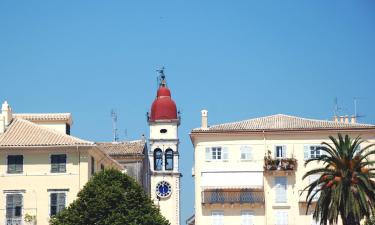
<point x="238" y="59"/>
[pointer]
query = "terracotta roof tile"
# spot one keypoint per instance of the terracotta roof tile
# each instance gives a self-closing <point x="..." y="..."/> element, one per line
<point x="44" y="116"/>
<point x="122" y="148"/>
<point x="281" y="122"/>
<point x="25" y="133"/>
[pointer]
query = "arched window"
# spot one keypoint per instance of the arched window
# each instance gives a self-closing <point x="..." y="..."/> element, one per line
<point x="169" y="159"/>
<point x="158" y="159"/>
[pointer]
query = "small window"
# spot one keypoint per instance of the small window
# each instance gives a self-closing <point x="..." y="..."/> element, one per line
<point x="58" y="163"/>
<point x="281" y="217"/>
<point x="216" y="154"/>
<point x="101" y="167"/>
<point x="15" y="163"/>
<point x="315" y="152"/>
<point x="67" y="129"/>
<point x="169" y="159"/>
<point x="163" y="131"/>
<point x="92" y="165"/>
<point x="280" y="152"/>
<point x="158" y="159"/>
<point x="57" y="203"/>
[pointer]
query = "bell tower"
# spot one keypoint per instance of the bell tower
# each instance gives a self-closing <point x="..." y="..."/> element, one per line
<point x="164" y="121"/>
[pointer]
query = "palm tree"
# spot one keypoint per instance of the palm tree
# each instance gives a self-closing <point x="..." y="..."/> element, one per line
<point x="344" y="186"/>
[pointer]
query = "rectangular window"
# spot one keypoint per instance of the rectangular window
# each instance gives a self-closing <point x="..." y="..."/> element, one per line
<point x="92" y="165"/>
<point x="101" y="167"/>
<point x="217" y="218"/>
<point x="246" y="153"/>
<point x="281" y="217"/>
<point x="312" y="152"/>
<point x="58" y="163"/>
<point x="14" y="209"/>
<point x="216" y="154"/>
<point x="57" y="202"/>
<point x="281" y="189"/>
<point x="247" y="218"/>
<point x="15" y="163"/>
<point x="280" y="152"/>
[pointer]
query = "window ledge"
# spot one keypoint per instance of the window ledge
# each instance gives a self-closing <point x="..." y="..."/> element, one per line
<point x="281" y="205"/>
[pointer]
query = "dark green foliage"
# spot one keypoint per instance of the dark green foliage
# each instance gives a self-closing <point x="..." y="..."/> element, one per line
<point x="370" y="221"/>
<point x="345" y="184"/>
<point x="111" y="198"/>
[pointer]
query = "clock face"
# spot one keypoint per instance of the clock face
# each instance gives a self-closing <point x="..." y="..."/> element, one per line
<point x="163" y="189"/>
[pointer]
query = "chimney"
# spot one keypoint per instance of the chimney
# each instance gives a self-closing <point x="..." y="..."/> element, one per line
<point x="353" y="119"/>
<point x="336" y="118"/>
<point x="6" y="113"/>
<point x="204" y="124"/>
<point x="346" y="119"/>
<point x="341" y="119"/>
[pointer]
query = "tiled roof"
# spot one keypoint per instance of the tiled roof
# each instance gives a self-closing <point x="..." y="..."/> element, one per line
<point x="281" y="122"/>
<point x="44" y="116"/>
<point x="122" y="148"/>
<point x="25" y="133"/>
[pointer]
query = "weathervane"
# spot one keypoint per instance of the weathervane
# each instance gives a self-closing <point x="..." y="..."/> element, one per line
<point x="161" y="77"/>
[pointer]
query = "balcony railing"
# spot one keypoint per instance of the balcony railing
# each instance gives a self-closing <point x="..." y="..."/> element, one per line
<point x="246" y="196"/>
<point x="14" y="221"/>
<point x="283" y="164"/>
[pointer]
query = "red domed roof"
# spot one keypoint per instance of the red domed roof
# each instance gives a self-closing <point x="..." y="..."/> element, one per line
<point x="163" y="107"/>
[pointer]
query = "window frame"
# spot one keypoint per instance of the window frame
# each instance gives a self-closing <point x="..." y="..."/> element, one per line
<point x="158" y="157"/>
<point x="247" y="217"/>
<point x="57" y="206"/>
<point x="15" y="165"/>
<point x="168" y="155"/>
<point x="14" y="207"/>
<point x="58" y="163"/>
<point x="246" y="151"/>
<point x="283" y="151"/>
<point x="278" y="187"/>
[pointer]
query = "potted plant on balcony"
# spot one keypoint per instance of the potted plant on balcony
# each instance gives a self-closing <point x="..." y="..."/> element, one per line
<point x="269" y="163"/>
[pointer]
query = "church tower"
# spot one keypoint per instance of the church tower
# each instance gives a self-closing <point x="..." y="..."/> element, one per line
<point x="163" y="154"/>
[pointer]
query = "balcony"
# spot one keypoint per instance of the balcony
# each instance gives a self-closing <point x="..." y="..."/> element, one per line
<point x="244" y="196"/>
<point x="284" y="166"/>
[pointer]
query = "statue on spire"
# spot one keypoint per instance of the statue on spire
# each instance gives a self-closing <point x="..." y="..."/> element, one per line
<point x="161" y="78"/>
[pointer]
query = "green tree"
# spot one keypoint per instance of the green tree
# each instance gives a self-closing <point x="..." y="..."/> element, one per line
<point x="111" y="198"/>
<point x="345" y="184"/>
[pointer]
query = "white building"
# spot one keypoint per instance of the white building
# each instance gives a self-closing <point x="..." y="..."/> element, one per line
<point x="250" y="172"/>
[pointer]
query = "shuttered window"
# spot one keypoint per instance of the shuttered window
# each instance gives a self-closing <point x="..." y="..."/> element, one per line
<point x="312" y="152"/>
<point x="281" y="189"/>
<point x="58" y="163"/>
<point x="281" y="217"/>
<point x="217" y="218"/>
<point x="57" y="203"/>
<point x="15" y="163"/>
<point x="247" y="218"/>
<point x="246" y="153"/>
<point x="13" y="206"/>
<point x="216" y="154"/>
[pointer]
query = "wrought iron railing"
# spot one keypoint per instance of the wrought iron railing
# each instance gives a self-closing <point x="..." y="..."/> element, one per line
<point x="230" y="196"/>
<point x="14" y="221"/>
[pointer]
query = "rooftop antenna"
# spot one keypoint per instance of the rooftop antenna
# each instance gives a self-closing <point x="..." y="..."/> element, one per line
<point x="355" y="99"/>
<point x="114" y="125"/>
<point x="337" y="109"/>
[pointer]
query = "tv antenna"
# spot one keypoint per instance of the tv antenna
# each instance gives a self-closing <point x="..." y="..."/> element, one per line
<point x="114" y="125"/>
<point x="356" y="115"/>
<point x="337" y="108"/>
